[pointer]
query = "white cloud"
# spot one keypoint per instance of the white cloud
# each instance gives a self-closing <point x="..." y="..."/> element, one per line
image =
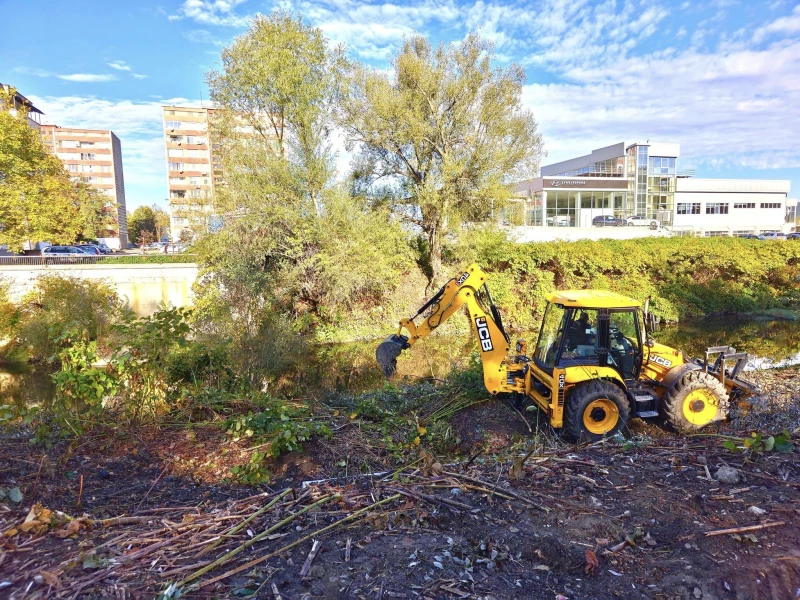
<point x="201" y="36"/>
<point x="788" y="24"/>
<point x="741" y="106"/>
<point x="139" y="76"/>
<point x="88" y="77"/>
<point x="212" y="12"/>
<point x="376" y="31"/>
<point x="119" y="65"/>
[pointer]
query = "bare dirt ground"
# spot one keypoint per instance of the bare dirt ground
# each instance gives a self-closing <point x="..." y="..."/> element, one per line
<point x="139" y="515"/>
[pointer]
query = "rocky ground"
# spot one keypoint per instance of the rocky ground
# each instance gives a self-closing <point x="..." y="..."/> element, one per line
<point x="654" y="516"/>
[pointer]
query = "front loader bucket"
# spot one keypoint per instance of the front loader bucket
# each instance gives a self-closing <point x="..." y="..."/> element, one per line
<point x="388" y="351"/>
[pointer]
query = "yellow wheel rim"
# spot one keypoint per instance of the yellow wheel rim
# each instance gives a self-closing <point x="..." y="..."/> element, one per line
<point x="600" y="416"/>
<point x="700" y="407"/>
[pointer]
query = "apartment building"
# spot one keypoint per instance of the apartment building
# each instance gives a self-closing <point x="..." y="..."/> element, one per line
<point x="95" y="157"/>
<point x="192" y="168"/>
<point x="19" y="101"/>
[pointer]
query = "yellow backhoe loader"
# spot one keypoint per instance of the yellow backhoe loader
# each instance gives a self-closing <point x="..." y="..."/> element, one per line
<point x="594" y="364"/>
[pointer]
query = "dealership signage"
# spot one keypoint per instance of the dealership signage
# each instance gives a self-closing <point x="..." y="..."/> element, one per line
<point x="600" y="183"/>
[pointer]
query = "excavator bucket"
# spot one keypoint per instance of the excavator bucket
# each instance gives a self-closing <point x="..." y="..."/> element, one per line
<point x="388" y="351"/>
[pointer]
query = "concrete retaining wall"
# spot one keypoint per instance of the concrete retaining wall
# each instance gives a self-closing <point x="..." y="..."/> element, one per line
<point x="144" y="286"/>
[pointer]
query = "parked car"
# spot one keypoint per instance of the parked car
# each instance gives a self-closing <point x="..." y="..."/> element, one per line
<point x="559" y="221"/>
<point x="607" y="221"/>
<point x="774" y="236"/>
<point x="62" y="254"/>
<point x="641" y="221"/>
<point x="793" y="236"/>
<point x="751" y="236"/>
<point x="89" y="249"/>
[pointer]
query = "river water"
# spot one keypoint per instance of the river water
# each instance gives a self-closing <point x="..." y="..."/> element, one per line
<point x="351" y="368"/>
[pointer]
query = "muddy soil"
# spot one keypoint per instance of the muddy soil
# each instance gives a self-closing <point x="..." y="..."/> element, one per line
<point x="646" y="518"/>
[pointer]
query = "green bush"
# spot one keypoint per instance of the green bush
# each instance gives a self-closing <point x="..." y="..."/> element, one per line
<point x="147" y="259"/>
<point x="683" y="276"/>
<point x="86" y="309"/>
<point x="9" y="319"/>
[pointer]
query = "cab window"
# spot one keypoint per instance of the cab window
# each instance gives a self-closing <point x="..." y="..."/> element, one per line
<point x="550" y="337"/>
<point x="624" y="346"/>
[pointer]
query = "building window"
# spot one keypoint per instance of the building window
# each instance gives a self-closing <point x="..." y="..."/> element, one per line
<point x="177" y="194"/>
<point x="87" y="168"/>
<point x="717" y="208"/>
<point x="172" y="124"/>
<point x="87" y="144"/>
<point x="744" y="205"/>
<point x="87" y="156"/>
<point x="175" y="152"/>
<point x="716" y="234"/>
<point x="688" y="208"/>
<point x="770" y="205"/>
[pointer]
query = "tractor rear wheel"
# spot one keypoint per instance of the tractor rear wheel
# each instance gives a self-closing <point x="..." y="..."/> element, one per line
<point x="595" y="409"/>
<point x="695" y="400"/>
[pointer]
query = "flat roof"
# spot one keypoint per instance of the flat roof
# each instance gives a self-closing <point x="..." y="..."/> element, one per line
<point x="591" y="299"/>
<point x="605" y="153"/>
<point x="22" y="99"/>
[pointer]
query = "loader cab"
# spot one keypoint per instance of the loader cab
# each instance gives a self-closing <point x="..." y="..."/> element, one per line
<point x="596" y="330"/>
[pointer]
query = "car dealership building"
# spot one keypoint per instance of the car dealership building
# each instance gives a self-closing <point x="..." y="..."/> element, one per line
<point x="643" y="179"/>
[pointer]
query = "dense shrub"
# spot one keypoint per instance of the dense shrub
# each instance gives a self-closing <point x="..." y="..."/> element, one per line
<point x="85" y="309"/>
<point x="683" y="276"/>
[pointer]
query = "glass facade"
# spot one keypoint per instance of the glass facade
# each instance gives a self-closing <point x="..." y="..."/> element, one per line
<point x="612" y="167"/>
<point x="651" y="183"/>
<point x="572" y="208"/>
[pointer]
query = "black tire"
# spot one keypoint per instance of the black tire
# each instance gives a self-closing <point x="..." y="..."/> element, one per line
<point x="590" y="401"/>
<point x="695" y="400"/>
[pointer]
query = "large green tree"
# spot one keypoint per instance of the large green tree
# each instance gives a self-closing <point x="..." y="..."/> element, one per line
<point x="277" y="93"/>
<point x="142" y="220"/>
<point x="442" y="135"/>
<point x="161" y="222"/>
<point x="295" y="250"/>
<point x="38" y="200"/>
<point x="97" y="216"/>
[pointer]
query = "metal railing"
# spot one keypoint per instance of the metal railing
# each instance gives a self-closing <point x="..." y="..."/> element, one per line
<point x="105" y="260"/>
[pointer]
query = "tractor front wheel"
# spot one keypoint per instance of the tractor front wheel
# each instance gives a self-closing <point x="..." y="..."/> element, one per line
<point x="595" y="409"/>
<point x="696" y="400"/>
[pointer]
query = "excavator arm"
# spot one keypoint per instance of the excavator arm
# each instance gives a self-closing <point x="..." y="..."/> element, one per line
<point x="460" y="292"/>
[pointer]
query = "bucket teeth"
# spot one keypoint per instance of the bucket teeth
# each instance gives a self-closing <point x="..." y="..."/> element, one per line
<point x="388" y="351"/>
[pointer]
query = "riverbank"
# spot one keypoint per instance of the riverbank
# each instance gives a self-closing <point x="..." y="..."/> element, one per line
<point x="445" y="527"/>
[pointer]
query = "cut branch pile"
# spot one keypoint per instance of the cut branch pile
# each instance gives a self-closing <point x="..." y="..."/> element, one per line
<point x="188" y="549"/>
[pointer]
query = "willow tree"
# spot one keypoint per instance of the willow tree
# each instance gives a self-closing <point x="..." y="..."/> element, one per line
<point x="277" y="93"/>
<point x="294" y="249"/>
<point x="442" y="135"/>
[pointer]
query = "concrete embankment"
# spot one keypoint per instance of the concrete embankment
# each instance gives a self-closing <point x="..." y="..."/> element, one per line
<point x="144" y="286"/>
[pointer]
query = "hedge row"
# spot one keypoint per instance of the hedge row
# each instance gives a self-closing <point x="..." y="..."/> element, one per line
<point x="682" y="276"/>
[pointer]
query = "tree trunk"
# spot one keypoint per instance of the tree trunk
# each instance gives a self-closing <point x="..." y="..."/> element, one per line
<point x="435" y="256"/>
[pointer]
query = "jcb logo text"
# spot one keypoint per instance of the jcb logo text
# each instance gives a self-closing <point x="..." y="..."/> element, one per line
<point x="483" y="334"/>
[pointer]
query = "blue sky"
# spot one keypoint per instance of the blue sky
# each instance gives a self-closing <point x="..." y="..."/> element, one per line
<point x="720" y="77"/>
